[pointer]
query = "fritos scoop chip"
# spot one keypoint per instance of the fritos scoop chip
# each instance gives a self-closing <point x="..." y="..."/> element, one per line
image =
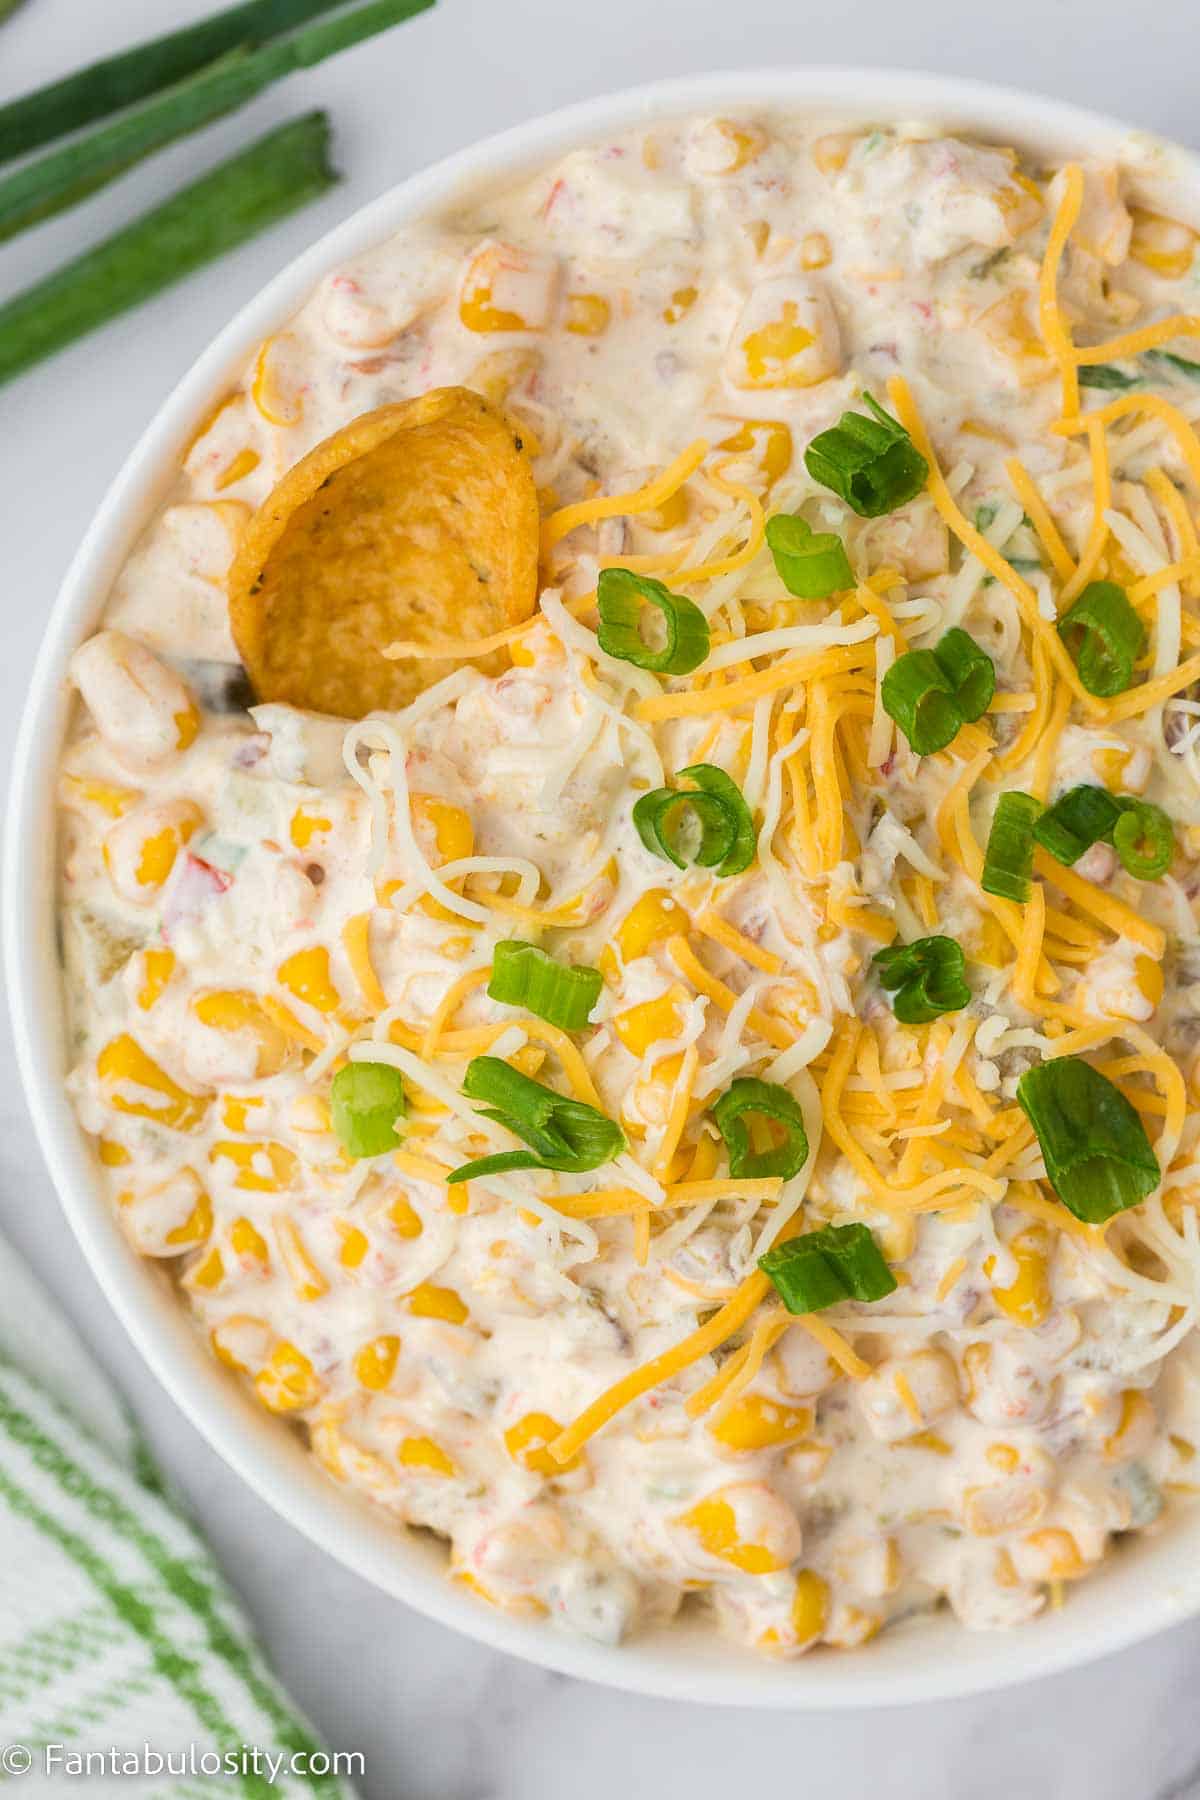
<point x="416" y="521"/>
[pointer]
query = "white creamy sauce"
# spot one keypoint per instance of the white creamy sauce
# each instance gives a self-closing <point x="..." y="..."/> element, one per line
<point x="241" y="907"/>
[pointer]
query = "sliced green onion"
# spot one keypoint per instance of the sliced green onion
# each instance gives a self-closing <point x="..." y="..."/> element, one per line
<point x="1098" y="1158"/>
<point x="1106" y="375"/>
<point x="103" y="87"/>
<point x="816" y="1270"/>
<point x="931" y="694"/>
<point x="1183" y="365"/>
<point x="747" y="1099"/>
<point x="1144" y="839"/>
<point x="620" y="599"/>
<point x="870" y="463"/>
<point x="811" y="564"/>
<point x="668" y="819"/>
<point x="971" y="671"/>
<point x="926" y="978"/>
<point x="919" y="695"/>
<point x="523" y="975"/>
<point x="1105" y="636"/>
<point x="226" y="206"/>
<point x="1080" y="818"/>
<point x="562" y="1134"/>
<point x="366" y="1099"/>
<point x="76" y="169"/>
<point x="1008" y="860"/>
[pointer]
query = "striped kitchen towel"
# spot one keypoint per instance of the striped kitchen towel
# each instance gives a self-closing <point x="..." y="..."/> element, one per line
<point x="118" y="1635"/>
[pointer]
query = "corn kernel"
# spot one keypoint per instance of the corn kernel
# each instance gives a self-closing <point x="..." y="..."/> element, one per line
<point x="236" y="1010"/>
<point x="1058" y="1553"/>
<point x="655" y="917"/>
<point x="197" y="1227"/>
<point x="1148" y="976"/>
<point x="1164" y="245"/>
<point x="453" y="836"/>
<point x="128" y="1073"/>
<point x="207" y="1274"/>
<point x="112" y="1155"/>
<point x="680" y="304"/>
<point x="248" y="1159"/>
<point x="754" y="1422"/>
<point x="588" y="314"/>
<point x="430" y="1302"/>
<point x="832" y="152"/>
<point x="375" y="1363"/>
<point x="423" y="1454"/>
<point x="768" y="441"/>
<point x="815" y="251"/>
<point x="1137" y="1425"/>
<point x="1011" y="325"/>
<point x="248" y="1243"/>
<point x="651" y="1021"/>
<point x="83" y="792"/>
<point x="526" y="1443"/>
<point x="305" y="826"/>
<point x="288" y="1383"/>
<point x="157" y="968"/>
<point x="307" y="975"/>
<point x="507" y="289"/>
<point x="714" y="1523"/>
<point x="810" y="1606"/>
<point x="354" y="1246"/>
<point x="1027" y="1300"/>
<point x="305" y="1275"/>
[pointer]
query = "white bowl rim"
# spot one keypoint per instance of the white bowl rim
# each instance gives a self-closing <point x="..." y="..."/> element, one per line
<point x="938" y="1661"/>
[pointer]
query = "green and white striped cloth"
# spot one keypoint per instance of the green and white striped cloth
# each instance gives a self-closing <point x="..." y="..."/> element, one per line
<point x="117" y="1630"/>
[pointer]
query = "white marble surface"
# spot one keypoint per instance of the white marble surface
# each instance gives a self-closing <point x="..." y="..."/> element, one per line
<point x="438" y="1717"/>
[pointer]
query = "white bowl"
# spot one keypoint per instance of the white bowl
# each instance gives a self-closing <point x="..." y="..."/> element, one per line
<point x="1151" y="1585"/>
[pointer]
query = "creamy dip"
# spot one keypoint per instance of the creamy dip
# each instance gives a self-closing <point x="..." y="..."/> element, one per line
<point x="249" y="897"/>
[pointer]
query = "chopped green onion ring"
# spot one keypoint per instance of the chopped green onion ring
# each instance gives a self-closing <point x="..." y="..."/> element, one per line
<point x="820" y="1268"/>
<point x="1008" y="859"/>
<point x="1144" y="840"/>
<point x="746" y="1097"/>
<point x="562" y="1134"/>
<point x="1098" y="1158"/>
<point x="1078" y="819"/>
<point x="523" y="975"/>
<point x="925" y="978"/>
<point x="621" y="598"/>
<point x="870" y="463"/>
<point x="365" y="1100"/>
<point x="971" y="671"/>
<point x="727" y="839"/>
<point x="931" y="694"/>
<point x="1105" y="637"/>
<point x="811" y="564"/>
